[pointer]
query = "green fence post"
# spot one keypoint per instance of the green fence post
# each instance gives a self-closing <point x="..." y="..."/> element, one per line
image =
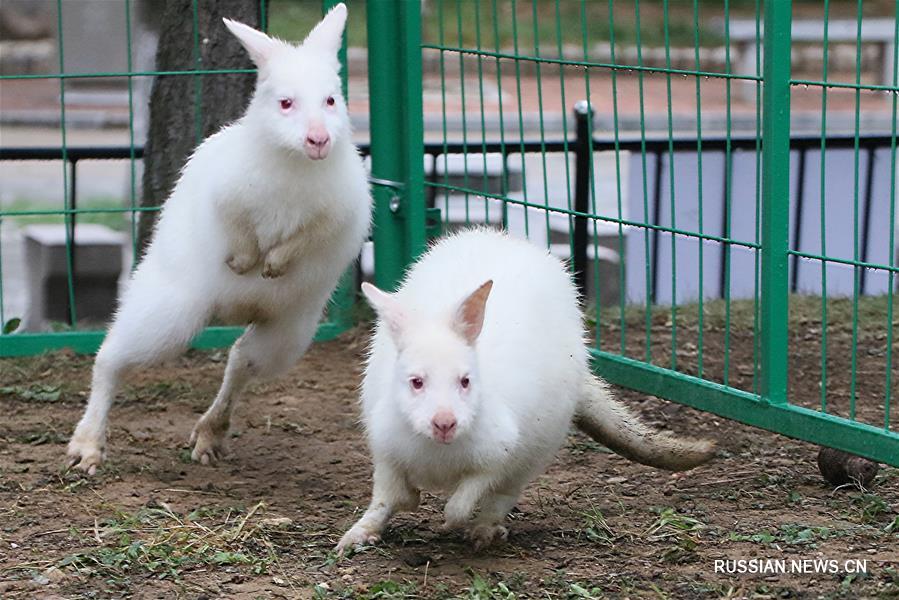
<point x="775" y="201"/>
<point x="397" y="136"/>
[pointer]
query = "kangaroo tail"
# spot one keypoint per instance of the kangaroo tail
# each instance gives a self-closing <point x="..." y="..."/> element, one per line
<point x="610" y="423"/>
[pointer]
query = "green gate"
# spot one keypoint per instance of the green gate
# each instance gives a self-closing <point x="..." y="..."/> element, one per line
<point x="471" y="45"/>
<point x="538" y="115"/>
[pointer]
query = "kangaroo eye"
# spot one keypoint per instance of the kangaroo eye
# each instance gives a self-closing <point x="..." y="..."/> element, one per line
<point x="465" y="382"/>
<point x="330" y="101"/>
<point x="416" y="382"/>
<point x="286" y="103"/>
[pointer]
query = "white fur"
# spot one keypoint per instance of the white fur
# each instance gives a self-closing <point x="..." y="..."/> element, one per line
<point x="526" y="369"/>
<point x="250" y="185"/>
<point x="529" y="375"/>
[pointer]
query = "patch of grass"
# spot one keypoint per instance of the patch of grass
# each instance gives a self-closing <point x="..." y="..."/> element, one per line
<point x="680" y="531"/>
<point x="758" y="538"/>
<point x="482" y="588"/>
<point x="893" y="527"/>
<point x="292" y="20"/>
<point x="158" y="394"/>
<point x="103" y="211"/>
<point x="32" y="393"/>
<point x="596" y="529"/>
<point x="576" y="590"/>
<point x="386" y="589"/>
<point x="671" y="523"/>
<point x="157" y="542"/>
<point x="870" y="507"/>
<point x="793" y="534"/>
<point x="40" y="437"/>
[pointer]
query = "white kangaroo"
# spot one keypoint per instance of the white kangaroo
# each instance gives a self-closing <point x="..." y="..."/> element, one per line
<point x="478" y="367"/>
<point x="267" y="214"/>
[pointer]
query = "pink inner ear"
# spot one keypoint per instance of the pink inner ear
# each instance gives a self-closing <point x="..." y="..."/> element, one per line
<point x="470" y="318"/>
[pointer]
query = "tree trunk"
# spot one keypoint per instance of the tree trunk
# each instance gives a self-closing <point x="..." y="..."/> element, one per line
<point x="185" y="109"/>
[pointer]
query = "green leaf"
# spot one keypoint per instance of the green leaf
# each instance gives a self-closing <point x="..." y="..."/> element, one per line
<point x="39" y="393"/>
<point x="11" y="325"/>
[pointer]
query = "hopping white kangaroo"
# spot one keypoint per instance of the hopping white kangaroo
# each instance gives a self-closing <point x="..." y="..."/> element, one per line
<point x="267" y="214"/>
<point x="477" y="369"/>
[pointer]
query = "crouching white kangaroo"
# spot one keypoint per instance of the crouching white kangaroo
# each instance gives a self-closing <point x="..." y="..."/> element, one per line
<point x="477" y="369"/>
<point x="267" y="214"/>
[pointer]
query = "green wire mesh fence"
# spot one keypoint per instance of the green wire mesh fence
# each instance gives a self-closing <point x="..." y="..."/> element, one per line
<point x="729" y="212"/>
<point x="711" y="228"/>
<point x="72" y="331"/>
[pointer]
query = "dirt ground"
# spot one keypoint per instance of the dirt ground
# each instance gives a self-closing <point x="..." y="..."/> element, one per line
<point x="263" y="524"/>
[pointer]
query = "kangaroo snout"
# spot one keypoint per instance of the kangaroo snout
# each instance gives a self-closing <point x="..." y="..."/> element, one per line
<point x="443" y="426"/>
<point x="318" y="142"/>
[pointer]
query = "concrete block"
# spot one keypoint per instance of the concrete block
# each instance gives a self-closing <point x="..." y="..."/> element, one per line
<point x="97" y="267"/>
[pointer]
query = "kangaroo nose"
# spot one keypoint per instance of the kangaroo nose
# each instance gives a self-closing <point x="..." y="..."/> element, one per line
<point x="317" y="139"/>
<point x="444" y="426"/>
<point x="317" y="142"/>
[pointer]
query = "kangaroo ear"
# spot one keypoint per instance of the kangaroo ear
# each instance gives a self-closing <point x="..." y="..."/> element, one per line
<point x="469" y="318"/>
<point x="258" y="45"/>
<point x="327" y="36"/>
<point x="388" y="308"/>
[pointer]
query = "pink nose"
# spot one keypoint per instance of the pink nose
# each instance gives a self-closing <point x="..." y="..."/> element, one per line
<point x="317" y="139"/>
<point x="444" y="426"/>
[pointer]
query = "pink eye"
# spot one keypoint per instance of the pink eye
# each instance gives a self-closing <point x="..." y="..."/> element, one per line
<point x="286" y="103"/>
<point x="417" y="383"/>
<point x="330" y="101"/>
<point x="465" y="382"/>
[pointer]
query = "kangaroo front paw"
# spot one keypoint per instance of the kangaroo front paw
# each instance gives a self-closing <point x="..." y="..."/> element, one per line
<point x="209" y="442"/>
<point x="273" y="268"/>
<point x="485" y="535"/>
<point x="86" y="454"/>
<point x="358" y="535"/>
<point x="241" y="263"/>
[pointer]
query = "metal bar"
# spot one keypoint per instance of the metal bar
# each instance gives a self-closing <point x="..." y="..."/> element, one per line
<point x="394" y="65"/>
<point x="797" y="222"/>
<point x="648" y="268"/>
<point x="671" y="188"/>
<point x="775" y="201"/>
<point x="582" y="158"/>
<point x="866" y="216"/>
<point x="635" y="143"/>
<point x="588" y="64"/>
<point x="656" y="219"/>
<point x="792" y="421"/>
<point x="71" y="242"/>
<point x="823" y="207"/>
<point x="700" y="326"/>
<point x="66" y="198"/>
<point x="87" y="342"/>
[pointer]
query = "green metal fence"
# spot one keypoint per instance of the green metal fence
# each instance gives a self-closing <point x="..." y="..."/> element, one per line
<point x="735" y="358"/>
<point x="679" y="187"/>
<point x="71" y="333"/>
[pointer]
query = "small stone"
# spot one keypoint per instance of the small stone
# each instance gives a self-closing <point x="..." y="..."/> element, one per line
<point x="417" y="560"/>
<point x="277" y="522"/>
